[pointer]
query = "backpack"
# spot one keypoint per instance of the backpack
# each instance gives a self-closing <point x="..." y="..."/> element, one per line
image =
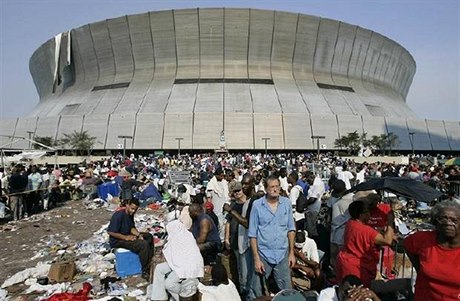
<point x="301" y="203"/>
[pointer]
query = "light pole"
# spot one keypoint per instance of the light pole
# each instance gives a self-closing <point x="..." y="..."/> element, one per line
<point x="30" y="137"/>
<point x="124" y="137"/>
<point x="265" y="139"/>
<point x="411" y="135"/>
<point x="178" y="145"/>
<point x="317" y="142"/>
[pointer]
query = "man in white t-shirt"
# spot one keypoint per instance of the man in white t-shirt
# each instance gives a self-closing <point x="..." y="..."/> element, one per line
<point x="307" y="261"/>
<point x="345" y="176"/>
<point x="185" y="193"/>
<point x="361" y="175"/>
<point x="283" y="180"/>
<point x="315" y="192"/>
<point x="296" y="190"/>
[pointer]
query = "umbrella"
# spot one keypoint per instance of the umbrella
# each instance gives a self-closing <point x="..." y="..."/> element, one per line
<point x="401" y="186"/>
<point x="453" y="161"/>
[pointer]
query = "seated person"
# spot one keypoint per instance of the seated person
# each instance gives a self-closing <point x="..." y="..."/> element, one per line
<point x="185" y="193"/>
<point x="307" y="263"/>
<point x="205" y="232"/>
<point x="222" y="288"/>
<point x="351" y="289"/>
<point x="123" y="234"/>
<point x="184" y="264"/>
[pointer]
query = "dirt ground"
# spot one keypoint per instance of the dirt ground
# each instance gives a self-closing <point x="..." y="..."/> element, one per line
<point x="61" y="227"/>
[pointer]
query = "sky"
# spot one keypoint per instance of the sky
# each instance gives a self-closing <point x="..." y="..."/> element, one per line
<point x="429" y="30"/>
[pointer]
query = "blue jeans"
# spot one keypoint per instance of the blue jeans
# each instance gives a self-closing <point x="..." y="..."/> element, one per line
<point x="281" y="273"/>
<point x="245" y="270"/>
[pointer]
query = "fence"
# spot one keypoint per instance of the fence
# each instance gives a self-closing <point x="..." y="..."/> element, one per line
<point x="396" y="274"/>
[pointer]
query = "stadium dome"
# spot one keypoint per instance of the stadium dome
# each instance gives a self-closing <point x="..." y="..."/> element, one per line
<point x="236" y="75"/>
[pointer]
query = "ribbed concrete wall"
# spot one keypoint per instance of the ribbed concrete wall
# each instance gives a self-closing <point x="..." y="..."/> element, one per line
<point x="297" y="55"/>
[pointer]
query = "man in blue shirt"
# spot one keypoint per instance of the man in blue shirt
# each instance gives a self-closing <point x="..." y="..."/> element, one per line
<point x="272" y="237"/>
<point x="123" y="234"/>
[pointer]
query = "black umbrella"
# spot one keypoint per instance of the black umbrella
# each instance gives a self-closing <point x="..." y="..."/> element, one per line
<point x="401" y="186"/>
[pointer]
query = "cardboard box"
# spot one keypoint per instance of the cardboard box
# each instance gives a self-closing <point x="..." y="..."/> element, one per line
<point x="62" y="272"/>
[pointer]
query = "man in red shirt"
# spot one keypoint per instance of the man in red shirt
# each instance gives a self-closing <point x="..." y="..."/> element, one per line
<point x="381" y="216"/>
<point x="381" y="213"/>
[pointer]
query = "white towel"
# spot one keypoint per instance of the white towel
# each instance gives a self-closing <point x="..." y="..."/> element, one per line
<point x="182" y="253"/>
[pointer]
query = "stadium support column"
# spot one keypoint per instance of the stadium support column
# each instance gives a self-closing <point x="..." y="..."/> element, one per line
<point x="265" y="139"/>
<point x="30" y="137"/>
<point x="411" y="135"/>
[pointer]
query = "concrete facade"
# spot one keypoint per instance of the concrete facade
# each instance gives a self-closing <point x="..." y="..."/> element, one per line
<point x="251" y="73"/>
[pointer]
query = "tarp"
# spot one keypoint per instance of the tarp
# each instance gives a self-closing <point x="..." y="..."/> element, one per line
<point x="150" y="192"/>
<point x="29" y="155"/>
<point x="400" y="186"/>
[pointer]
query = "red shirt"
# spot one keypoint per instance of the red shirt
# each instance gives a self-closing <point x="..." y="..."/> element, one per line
<point x="439" y="275"/>
<point x="357" y="256"/>
<point x="379" y="216"/>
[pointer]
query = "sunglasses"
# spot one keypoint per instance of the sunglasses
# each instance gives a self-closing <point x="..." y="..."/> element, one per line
<point x="236" y="190"/>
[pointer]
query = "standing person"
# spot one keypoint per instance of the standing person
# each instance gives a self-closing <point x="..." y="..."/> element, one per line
<point x="272" y="237"/>
<point x="35" y="183"/>
<point x="236" y="236"/>
<point x="17" y="184"/>
<point x="345" y="176"/>
<point x="357" y="256"/>
<point x="294" y="193"/>
<point x="381" y="215"/>
<point x="435" y="255"/>
<point x="218" y="187"/>
<point x="123" y="234"/>
<point x="127" y="185"/>
<point x="315" y="192"/>
<point x="283" y="181"/>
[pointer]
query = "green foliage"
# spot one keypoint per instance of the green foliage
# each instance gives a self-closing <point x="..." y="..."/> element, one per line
<point x="46" y="140"/>
<point x="351" y="142"/>
<point x="384" y="142"/>
<point x="79" y="142"/>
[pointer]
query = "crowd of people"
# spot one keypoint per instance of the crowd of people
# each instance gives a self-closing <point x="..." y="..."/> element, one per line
<point x="260" y="224"/>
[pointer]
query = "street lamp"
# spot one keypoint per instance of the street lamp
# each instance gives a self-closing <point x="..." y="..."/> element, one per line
<point x="317" y="142"/>
<point x="178" y="145"/>
<point x="411" y="135"/>
<point x="30" y="137"/>
<point x="265" y="139"/>
<point x="124" y="137"/>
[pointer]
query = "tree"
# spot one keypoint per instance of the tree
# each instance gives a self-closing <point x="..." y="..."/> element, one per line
<point x="46" y="140"/>
<point x="384" y="142"/>
<point x="351" y="142"/>
<point x="79" y="142"/>
<point x="392" y="141"/>
<point x="378" y="143"/>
